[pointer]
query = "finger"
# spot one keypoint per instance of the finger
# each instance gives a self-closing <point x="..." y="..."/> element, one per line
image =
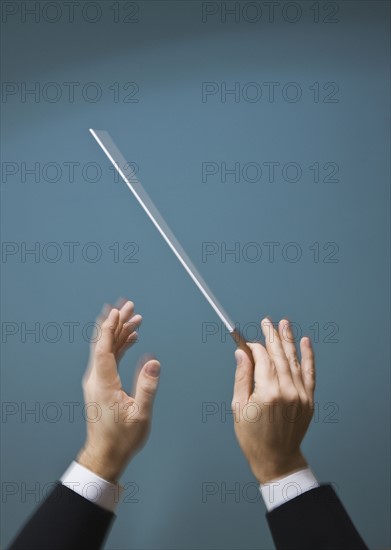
<point x="120" y="302"/>
<point x="244" y="378"/>
<point x="308" y="367"/>
<point x="130" y="341"/>
<point x="127" y="328"/>
<point x="104" y="362"/>
<point x="109" y="327"/>
<point x="288" y="343"/>
<point x="126" y="311"/>
<point x="147" y="384"/>
<point x="277" y="354"/>
<point x="98" y="324"/>
<point x="264" y="370"/>
<point x="101" y="319"/>
<point x="104" y="313"/>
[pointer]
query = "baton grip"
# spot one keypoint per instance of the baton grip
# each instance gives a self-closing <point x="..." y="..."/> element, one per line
<point x="241" y="344"/>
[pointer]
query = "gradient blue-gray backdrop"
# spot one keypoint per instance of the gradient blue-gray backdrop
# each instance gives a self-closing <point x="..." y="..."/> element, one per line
<point x="247" y="127"/>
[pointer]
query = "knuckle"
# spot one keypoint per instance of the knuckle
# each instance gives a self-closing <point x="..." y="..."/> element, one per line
<point x="280" y="355"/>
<point x="106" y="324"/>
<point x="310" y="371"/>
<point x="273" y="396"/>
<point x="148" y="387"/>
<point x="291" y="396"/>
<point x="305" y="401"/>
<point x="235" y="404"/>
<point x="143" y="416"/>
<point x="293" y="361"/>
<point x="240" y="375"/>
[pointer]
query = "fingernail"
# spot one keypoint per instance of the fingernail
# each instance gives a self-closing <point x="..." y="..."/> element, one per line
<point x="153" y="369"/>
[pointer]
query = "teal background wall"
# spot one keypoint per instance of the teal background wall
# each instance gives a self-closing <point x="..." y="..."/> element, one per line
<point x="157" y="76"/>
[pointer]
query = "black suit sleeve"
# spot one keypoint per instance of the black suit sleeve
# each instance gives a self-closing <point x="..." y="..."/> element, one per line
<point x="65" y="521"/>
<point x="315" y="520"/>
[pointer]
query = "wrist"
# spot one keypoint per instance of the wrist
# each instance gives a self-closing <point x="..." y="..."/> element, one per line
<point x="278" y="468"/>
<point x="100" y="464"/>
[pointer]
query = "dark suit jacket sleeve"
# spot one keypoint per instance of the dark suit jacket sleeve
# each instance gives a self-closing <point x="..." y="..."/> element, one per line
<point x="65" y="521"/>
<point x="315" y="520"/>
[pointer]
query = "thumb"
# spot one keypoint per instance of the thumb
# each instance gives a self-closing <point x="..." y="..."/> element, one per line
<point x="147" y="384"/>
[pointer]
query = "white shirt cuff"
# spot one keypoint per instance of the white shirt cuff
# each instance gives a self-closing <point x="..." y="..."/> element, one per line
<point x="91" y="486"/>
<point x="279" y="491"/>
